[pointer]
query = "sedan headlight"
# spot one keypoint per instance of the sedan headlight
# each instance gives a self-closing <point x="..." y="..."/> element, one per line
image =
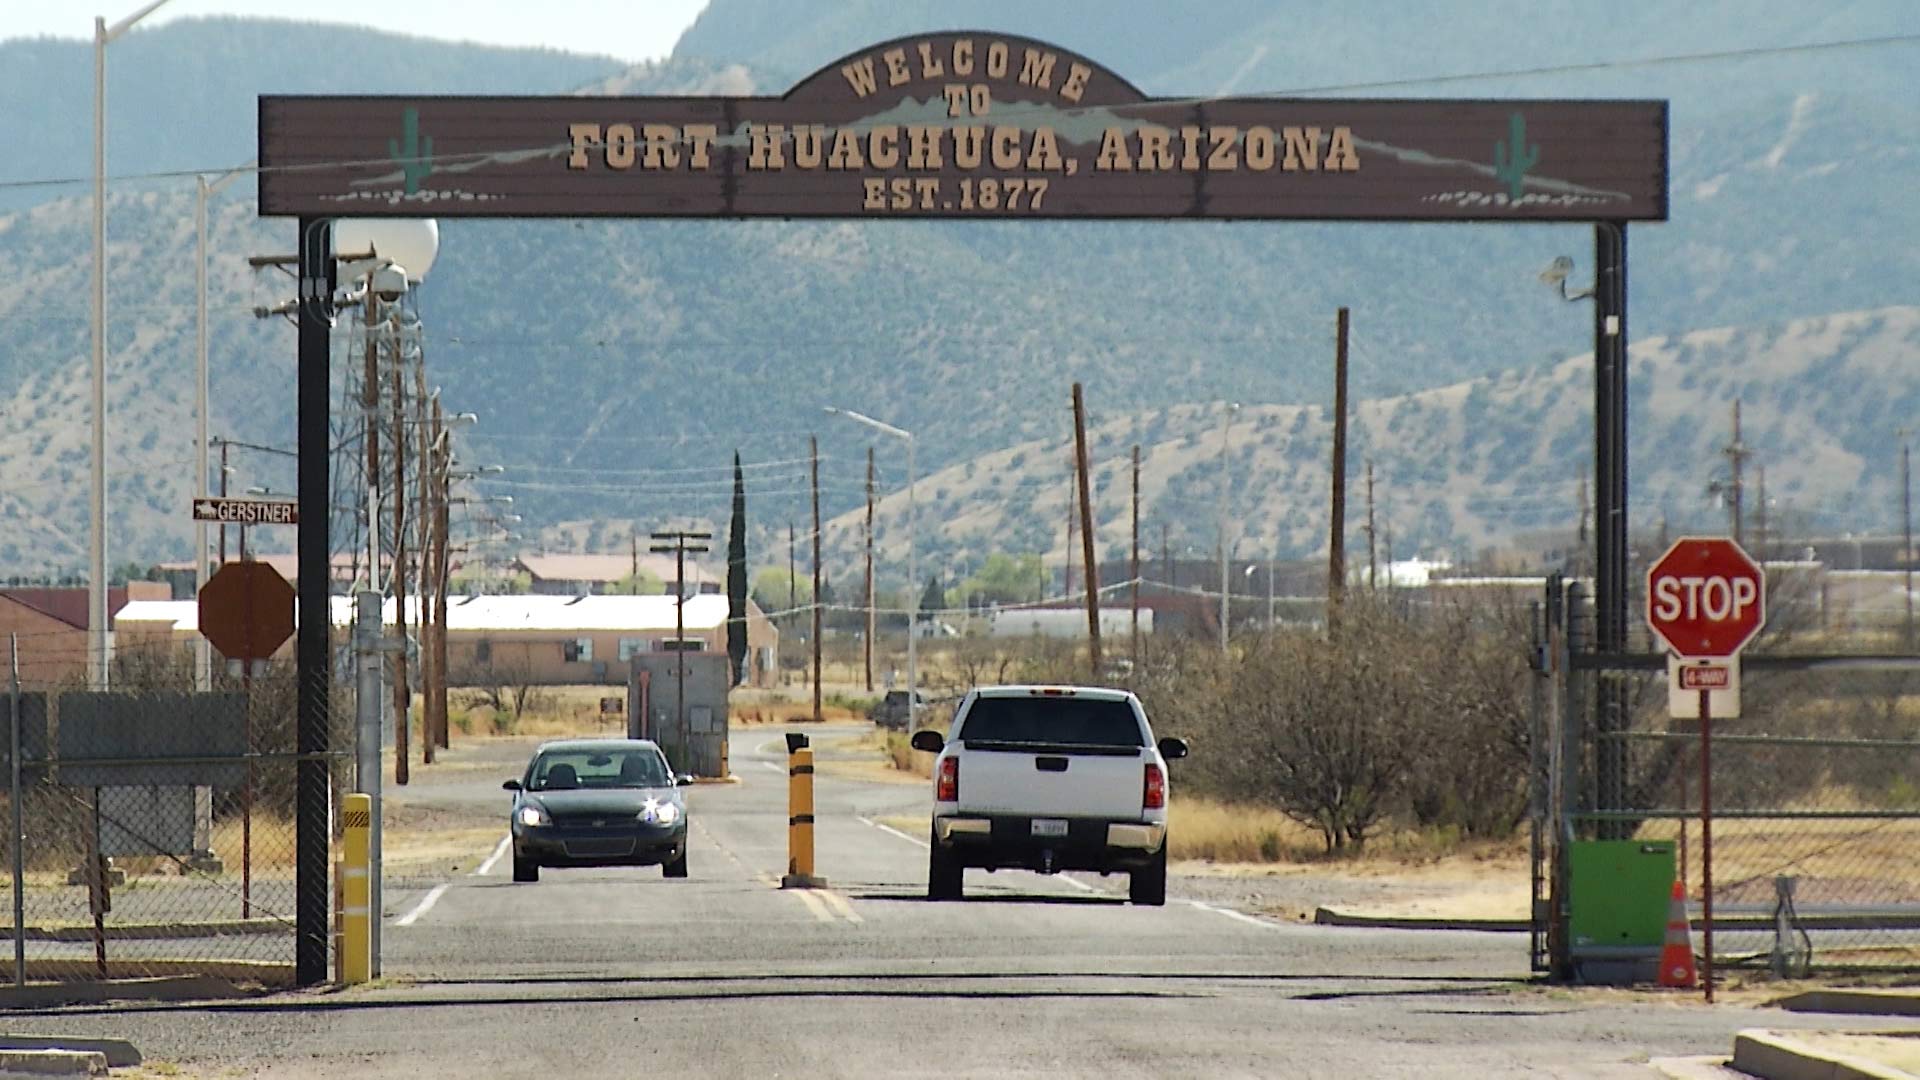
<point x="659" y="813"/>
<point x="533" y="814"/>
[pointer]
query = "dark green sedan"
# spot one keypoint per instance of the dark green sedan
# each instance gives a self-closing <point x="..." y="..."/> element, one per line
<point x="598" y="802"/>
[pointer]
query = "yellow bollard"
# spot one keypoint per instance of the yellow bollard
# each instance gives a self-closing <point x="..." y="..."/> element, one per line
<point x="800" y="817"/>
<point x="356" y="906"/>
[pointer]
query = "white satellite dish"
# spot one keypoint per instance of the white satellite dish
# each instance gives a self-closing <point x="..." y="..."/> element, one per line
<point x="409" y="243"/>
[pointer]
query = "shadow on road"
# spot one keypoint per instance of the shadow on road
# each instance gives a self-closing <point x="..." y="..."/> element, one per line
<point x="1005" y="898"/>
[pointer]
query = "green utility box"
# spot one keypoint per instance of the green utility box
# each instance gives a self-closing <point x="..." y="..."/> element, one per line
<point x="1617" y="907"/>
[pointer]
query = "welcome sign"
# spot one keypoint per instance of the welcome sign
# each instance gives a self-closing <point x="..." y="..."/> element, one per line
<point x="964" y="125"/>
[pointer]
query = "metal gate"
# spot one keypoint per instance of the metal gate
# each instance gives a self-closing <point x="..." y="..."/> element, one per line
<point x="1815" y="790"/>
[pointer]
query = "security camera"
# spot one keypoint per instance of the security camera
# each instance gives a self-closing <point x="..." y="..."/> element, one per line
<point x="389" y="283"/>
<point x="1558" y="271"/>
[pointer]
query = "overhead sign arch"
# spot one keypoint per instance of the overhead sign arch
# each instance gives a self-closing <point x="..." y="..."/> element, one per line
<point x="968" y="124"/>
<point x="965" y="125"/>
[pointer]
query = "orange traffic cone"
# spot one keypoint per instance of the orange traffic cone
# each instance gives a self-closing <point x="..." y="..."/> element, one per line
<point x="1676" y="955"/>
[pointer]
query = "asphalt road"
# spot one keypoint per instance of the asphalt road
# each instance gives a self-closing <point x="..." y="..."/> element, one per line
<point x="623" y="973"/>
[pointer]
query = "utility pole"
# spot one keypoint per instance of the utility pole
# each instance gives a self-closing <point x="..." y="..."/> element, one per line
<point x="1134" y="641"/>
<point x="402" y="688"/>
<point x="813" y="449"/>
<point x="677" y="543"/>
<point x="1760" y="517"/>
<point x="1086" y="529"/>
<point x="870" y="603"/>
<point x="1337" y="540"/>
<point x="793" y="580"/>
<point x="1732" y="489"/>
<point x="1906" y="531"/>
<point x="1066" y="560"/>
<point x="442" y="575"/>
<point x="429" y="733"/>
<point x="1373" y="566"/>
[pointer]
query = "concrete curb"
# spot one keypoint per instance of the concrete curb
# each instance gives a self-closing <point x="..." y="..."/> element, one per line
<point x="1331" y="917"/>
<point x="702" y="781"/>
<point x="52" y="1063"/>
<point x="1773" y="1055"/>
<point x="1708" y="1067"/>
<point x="171" y="988"/>
<point x="1854" y="1002"/>
<point x="119" y="1053"/>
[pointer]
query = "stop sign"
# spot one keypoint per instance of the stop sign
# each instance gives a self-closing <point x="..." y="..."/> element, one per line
<point x="1706" y="597"/>
<point x="246" y="610"/>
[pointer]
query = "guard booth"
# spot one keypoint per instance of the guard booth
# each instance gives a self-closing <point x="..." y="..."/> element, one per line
<point x="694" y="737"/>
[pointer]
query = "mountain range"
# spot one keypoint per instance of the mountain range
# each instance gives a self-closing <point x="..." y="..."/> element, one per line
<point x="617" y="365"/>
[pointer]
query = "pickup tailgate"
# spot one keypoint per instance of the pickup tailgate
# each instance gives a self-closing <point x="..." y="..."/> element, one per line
<point x="1053" y="781"/>
<point x="1052" y="755"/>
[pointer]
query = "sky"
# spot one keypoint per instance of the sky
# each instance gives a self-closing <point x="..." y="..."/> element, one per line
<point x="631" y="30"/>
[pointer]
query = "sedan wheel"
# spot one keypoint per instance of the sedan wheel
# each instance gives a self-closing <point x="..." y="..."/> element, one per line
<point x="677" y="867"/>
<point x="525" y="869"/>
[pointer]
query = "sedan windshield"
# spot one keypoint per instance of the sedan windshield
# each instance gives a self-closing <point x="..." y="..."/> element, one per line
<point x="561" y="770"/>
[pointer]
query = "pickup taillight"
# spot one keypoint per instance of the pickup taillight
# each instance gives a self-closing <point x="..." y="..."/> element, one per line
<point x="946" y="787"/>
<point x="1154" y="797"/>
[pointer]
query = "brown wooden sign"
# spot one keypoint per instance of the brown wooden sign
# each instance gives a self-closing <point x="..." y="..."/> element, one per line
<point x="246" y="610"/>
<point x="969" y="125"/>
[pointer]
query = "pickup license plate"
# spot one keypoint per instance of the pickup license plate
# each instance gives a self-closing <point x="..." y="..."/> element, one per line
<point x="1049" y="827"/>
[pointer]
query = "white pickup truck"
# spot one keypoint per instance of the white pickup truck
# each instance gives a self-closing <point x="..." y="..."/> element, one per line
<point x="1050" y="778"/>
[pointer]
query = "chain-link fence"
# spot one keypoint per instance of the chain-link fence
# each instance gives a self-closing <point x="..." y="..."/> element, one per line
<point x="156" y="822"/>
<point x="1815" y="794"/>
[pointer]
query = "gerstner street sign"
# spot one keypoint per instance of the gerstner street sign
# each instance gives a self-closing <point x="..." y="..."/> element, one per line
<point x="247" y="511"/>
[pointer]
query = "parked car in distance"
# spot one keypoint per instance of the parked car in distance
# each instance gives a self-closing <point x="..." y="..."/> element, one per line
<point x="598" y="802"/>
<point x="1050" y="778"/>
<point x="891" y="711"/>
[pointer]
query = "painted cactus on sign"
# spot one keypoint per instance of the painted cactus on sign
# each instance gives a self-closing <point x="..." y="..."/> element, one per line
<point x="1513" y="166"/>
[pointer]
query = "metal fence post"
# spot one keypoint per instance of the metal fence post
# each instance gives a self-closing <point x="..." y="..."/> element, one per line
<point x="19" y="830"/>
<point x="367" y="659"/>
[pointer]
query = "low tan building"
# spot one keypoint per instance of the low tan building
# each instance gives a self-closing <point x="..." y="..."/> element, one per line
<point x="50" y="626"/>
<point x="542" y="640"/>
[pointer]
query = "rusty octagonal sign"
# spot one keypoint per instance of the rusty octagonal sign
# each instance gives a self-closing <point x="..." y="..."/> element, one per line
<point x="246" y="610"/>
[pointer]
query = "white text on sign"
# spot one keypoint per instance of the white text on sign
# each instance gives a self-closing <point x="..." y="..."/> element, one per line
<point x="1713" y="599"/>
<point x="246" y="511"/>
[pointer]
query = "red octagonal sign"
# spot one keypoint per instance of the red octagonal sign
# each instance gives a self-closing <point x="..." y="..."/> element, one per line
<point x="1706" y="597"/>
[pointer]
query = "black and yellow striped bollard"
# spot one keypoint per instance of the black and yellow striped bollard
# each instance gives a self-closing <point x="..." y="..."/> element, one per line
<point x="800" y="873"/>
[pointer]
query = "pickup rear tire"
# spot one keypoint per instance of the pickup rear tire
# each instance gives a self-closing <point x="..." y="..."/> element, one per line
<point x="945" y="875"/>
<point x="1148" y="885"/>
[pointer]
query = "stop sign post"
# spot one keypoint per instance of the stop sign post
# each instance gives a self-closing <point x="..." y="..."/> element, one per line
<point x="1706" y="599"/>
<point x="246" y="611"/>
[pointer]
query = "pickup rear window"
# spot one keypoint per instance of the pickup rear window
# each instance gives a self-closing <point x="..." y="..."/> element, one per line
<point x="1052" y="721"/>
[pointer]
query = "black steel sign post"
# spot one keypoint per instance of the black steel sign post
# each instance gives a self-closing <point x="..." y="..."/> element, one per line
<point x="961" y="125"/>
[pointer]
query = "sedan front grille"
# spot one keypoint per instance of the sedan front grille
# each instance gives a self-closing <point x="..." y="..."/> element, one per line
<point x="611" y="847"/>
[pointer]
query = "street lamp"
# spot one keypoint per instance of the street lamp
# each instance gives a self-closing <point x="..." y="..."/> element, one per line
<point x="1226" y="475"/>
<point x="97" y="541"/>
<point x="203" y="190"/>
<point x="913" y="583"/>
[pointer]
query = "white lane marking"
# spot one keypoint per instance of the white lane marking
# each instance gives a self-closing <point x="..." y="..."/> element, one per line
<point x="1239" y="915"/>
<point x="775" y="768"/>
<point x="840" y="904"/>
<point x="813" y="904"/>
<point x="1077" y="883"/>
<point x="425" y="905"/>
<point x="486" y="868"/>
<point x="890" y="829"/>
